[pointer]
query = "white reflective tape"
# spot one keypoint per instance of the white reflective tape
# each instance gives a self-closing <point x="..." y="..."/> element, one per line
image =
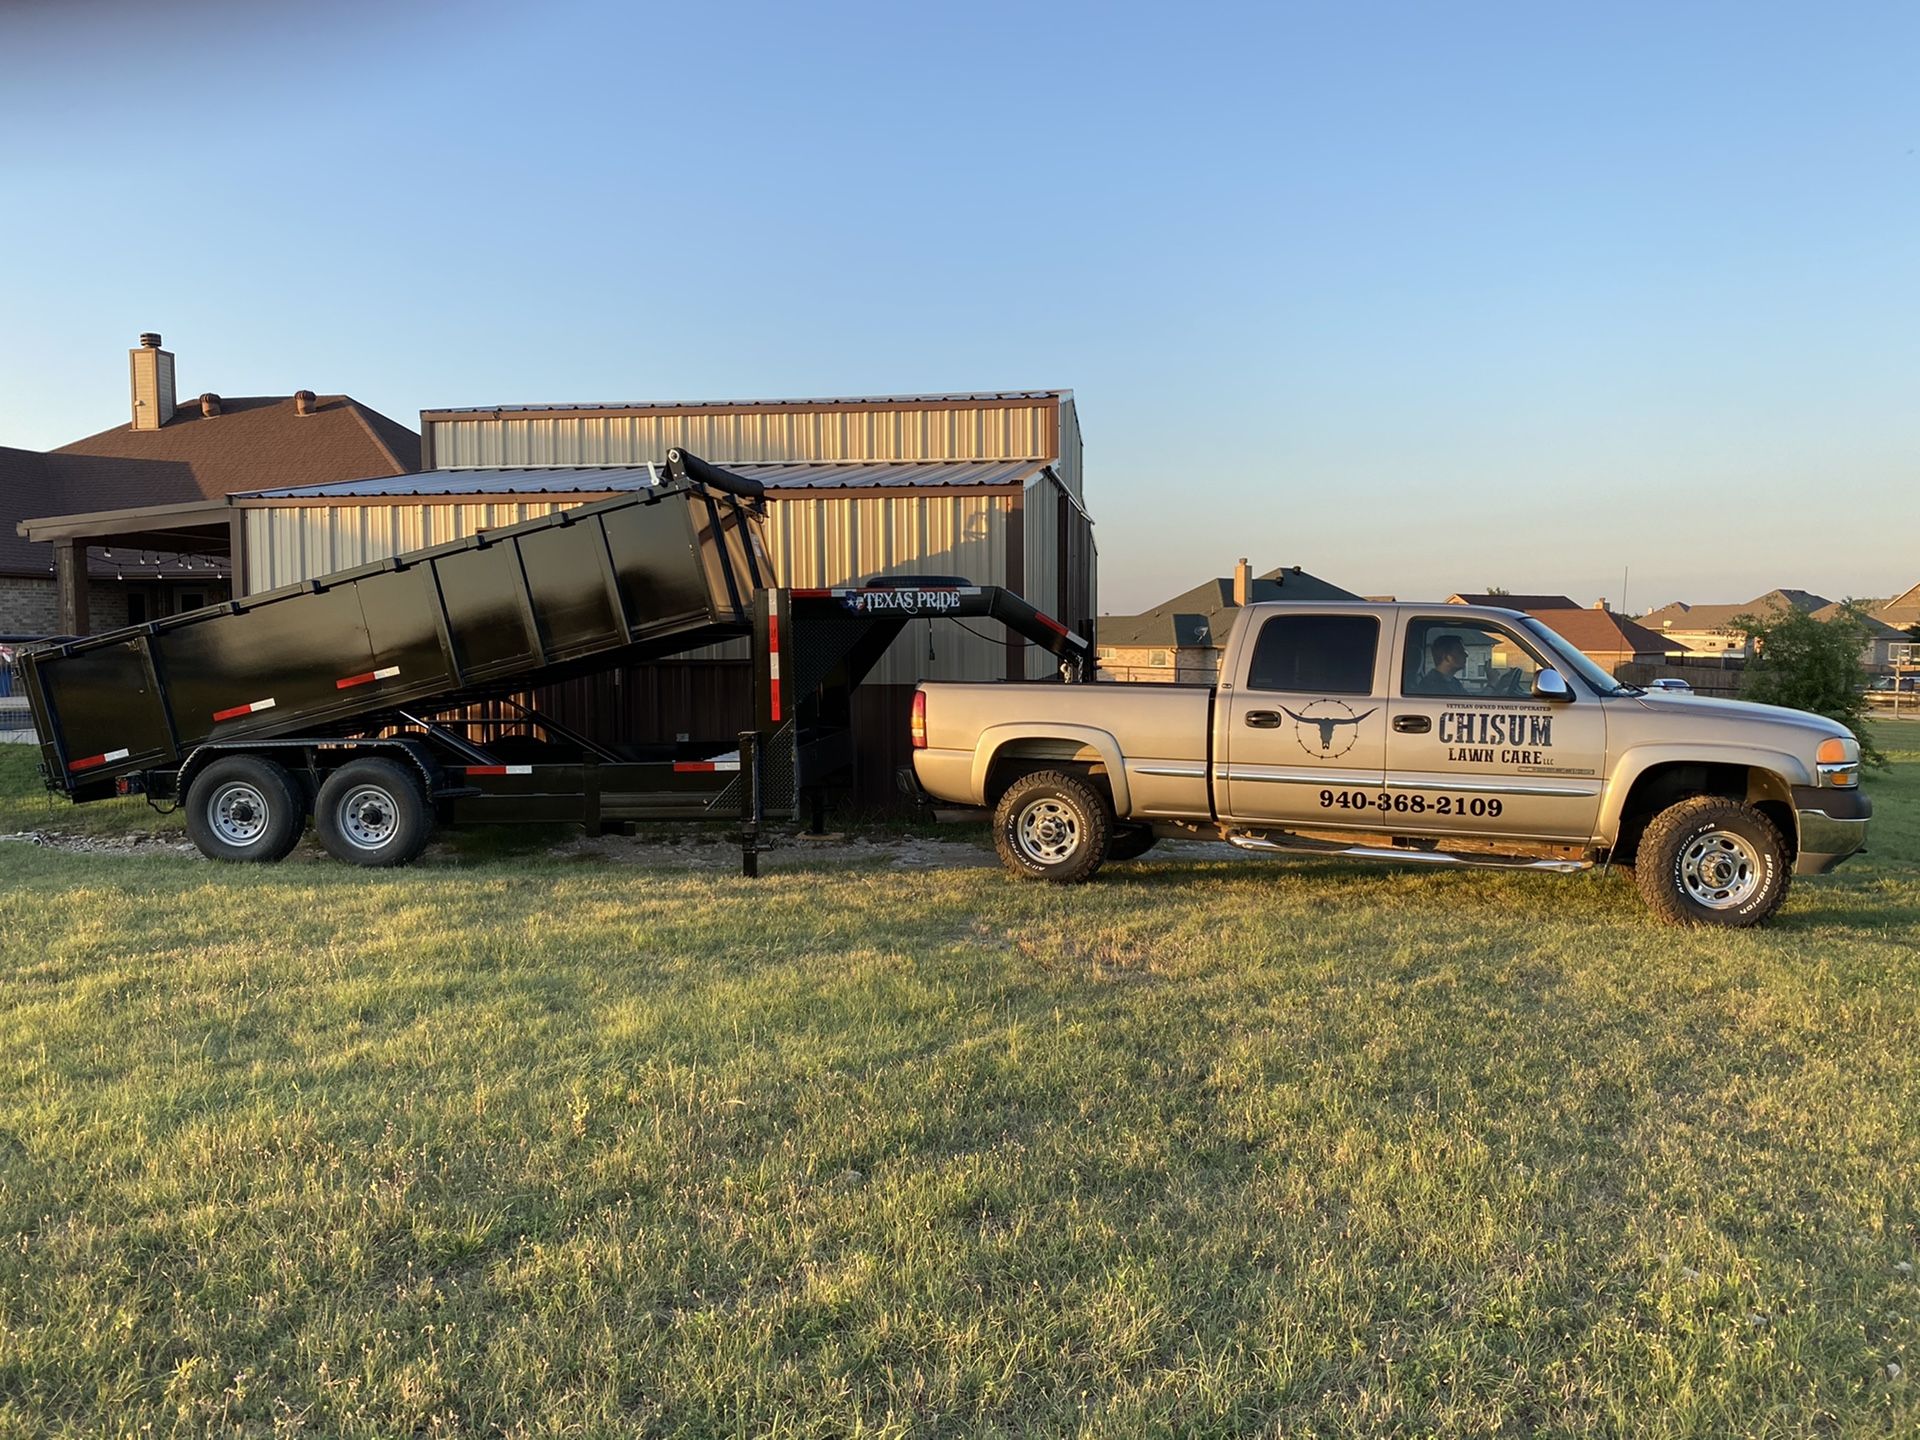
<point x="260" y="705"/>
<point x="773" y="664"/>
<point x="519" y="769"/>
<point x="113" y="755"/>
<point x="386" y="674"/>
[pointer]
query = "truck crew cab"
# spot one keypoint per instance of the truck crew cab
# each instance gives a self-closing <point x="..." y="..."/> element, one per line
<point x="1430" y="734"/>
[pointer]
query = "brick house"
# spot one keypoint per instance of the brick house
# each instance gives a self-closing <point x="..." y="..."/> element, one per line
<point x="1182" y="639"/>
<point x="164" y="548"/>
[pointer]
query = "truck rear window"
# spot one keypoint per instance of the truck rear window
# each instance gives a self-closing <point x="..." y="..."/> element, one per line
<point x="1316" y="654"/>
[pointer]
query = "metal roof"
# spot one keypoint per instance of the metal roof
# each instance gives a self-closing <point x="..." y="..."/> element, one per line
<point x="606" y="479"/>
<point x="955" y="397"/>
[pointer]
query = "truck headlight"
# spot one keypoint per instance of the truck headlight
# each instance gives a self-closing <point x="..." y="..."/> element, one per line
<point x="1838" y="762"/>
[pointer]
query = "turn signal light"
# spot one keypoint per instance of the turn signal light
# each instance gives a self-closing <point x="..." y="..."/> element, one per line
<point x="919" y="719"/>
<point x="1833" y="752"/>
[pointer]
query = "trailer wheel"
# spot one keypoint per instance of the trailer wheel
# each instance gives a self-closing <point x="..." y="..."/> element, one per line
<point x="372" y="812"/>
<point x="1711" y="861"/>
<point x="246" y="809"/>
<point x="1052" y="826"/>
<point x="1130" y="842"/>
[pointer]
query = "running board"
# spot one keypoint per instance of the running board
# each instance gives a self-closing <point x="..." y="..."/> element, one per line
<point x="1418" y="857"/>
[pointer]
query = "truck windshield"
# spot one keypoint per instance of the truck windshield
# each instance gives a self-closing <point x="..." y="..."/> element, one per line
<point x="1572" y="659"/>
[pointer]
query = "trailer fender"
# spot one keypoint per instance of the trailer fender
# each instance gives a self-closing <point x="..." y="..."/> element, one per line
<point x="1043" y="740"/>
<point x="298" y="755"/>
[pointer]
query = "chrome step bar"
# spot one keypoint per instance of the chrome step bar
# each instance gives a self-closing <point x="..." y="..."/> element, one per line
<point x="1267" y="845"/>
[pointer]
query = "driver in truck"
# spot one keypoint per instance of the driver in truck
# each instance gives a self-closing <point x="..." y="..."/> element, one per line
<point x="1449" y="654"/>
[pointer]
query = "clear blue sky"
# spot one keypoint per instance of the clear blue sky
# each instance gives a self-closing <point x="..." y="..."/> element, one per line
<point x="1421" y="297"/>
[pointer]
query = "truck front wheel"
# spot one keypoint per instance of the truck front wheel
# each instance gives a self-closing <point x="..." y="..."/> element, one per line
<point x="1712" y="861"/>
<point x="245" y="808"/>
<point x="1052" y="826"/>
<point x="372" y="812"/>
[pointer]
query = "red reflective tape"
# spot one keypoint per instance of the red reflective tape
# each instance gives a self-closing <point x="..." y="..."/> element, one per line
<point x="94" y="762"/>
<point x="248" y="709"/>
<point x="499" y="769"/>
<point x="367" y="679"/>
<point x="773" y="694"/>
<point x="1051" y="623"/>
<point x="810" y="594"/>
<point x="701" y="767"/>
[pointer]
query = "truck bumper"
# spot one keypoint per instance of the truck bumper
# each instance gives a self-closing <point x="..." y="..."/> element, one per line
<point x="1833" y="825"/>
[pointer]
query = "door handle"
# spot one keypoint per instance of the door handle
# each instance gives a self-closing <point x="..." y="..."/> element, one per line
<point x="1412" y="724"/>
<point x="1264" y="719"/>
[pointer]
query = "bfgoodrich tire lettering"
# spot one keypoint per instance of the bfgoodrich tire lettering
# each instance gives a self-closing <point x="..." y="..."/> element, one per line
<point x="1712" y="861"/>
<point x="1052" y="826"/>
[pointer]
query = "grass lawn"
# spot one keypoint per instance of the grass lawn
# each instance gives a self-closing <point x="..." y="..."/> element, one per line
<point x="513" y="1144"/>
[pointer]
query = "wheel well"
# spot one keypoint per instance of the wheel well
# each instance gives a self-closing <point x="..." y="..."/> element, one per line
<point x="1007" y="768"/>
<point x="1663" y="785"/>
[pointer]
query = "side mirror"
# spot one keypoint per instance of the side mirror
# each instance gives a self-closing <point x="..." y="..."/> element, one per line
<point x="1551" y="685"/>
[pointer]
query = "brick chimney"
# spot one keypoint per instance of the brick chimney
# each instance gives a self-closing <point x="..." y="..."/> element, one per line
<point x="1601" y="603"/>
<point x="152" y="370"/>
<point x="1242" y="582"/>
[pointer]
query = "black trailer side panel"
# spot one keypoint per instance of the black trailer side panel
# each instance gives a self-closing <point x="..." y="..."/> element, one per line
<point x="646" y="574"/>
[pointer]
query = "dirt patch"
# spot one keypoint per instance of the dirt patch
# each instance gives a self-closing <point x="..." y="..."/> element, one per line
<point x="784" y="852"/>
<point x="691" y="851"/>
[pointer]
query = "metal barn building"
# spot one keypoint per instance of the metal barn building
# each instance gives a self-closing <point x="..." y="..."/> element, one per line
<point x="986" y="486"/>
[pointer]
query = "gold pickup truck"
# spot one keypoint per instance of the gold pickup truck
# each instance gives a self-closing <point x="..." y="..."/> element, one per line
<point x="1424" y="734"/>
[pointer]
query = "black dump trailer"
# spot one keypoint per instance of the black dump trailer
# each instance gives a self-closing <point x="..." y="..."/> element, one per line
<point x="381" y="701"/>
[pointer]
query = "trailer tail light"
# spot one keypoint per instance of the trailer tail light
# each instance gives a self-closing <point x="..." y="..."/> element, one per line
<point x="919" y="719"/>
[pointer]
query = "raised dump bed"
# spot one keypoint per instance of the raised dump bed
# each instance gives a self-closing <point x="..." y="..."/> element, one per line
<point x="653" y="573"/>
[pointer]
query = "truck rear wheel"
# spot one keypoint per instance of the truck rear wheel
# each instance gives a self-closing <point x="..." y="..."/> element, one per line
<point x="246" y="809"/>
<point x="1052" y="826"/>
<point x="1712" y="861"/>
<point x="374" y="813"/>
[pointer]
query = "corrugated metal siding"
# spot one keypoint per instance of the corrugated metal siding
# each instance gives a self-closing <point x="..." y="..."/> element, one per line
<point x="812" y="541"/>
<point x="1040" y="527"/>
<point x="287" y="544"/>
<point x="1018" y="430"/>
<point x="1068" y="462"/>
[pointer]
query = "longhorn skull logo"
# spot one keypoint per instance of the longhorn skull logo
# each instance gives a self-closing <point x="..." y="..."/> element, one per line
<point x="1327" y="725"/>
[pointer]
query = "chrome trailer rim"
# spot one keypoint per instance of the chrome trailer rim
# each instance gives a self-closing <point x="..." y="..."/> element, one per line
<point x="237" y="812"/>
<point x="1720" y="870"/>
<point x="369" y="817"/>
<point x="1048" y="831"/>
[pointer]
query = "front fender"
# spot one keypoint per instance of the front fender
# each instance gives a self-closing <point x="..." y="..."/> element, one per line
<point x="1784" y="770"/>
<point x="1058" y="742"/>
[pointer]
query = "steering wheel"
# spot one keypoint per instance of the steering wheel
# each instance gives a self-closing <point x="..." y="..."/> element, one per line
<point x="1509" y="683"/>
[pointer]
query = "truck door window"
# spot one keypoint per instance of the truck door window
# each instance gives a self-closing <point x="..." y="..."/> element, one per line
<point x="1315" y="654"/>
<point x="1465" y="657"/>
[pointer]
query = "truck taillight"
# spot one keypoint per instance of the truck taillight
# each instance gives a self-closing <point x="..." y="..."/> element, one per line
<point x="919" y="719"/>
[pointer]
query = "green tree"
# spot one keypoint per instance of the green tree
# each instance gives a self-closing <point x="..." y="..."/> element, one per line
<point x="1496" y="590"/>
<point x="1810" y="664"/>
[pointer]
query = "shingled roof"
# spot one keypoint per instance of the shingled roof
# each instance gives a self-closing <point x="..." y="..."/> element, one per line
<point x="254" y="441"/>
<point x="1205" y="614"/>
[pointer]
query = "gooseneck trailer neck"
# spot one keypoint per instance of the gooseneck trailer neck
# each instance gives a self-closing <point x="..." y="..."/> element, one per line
<point x="383" y="666"/>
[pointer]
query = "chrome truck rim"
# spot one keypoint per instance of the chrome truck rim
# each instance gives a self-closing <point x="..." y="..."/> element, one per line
<point x="368" y="817"/>
<point x="1720" y="870"/>
<point x="237" y="813"/>
<point x="1048" y="831"/>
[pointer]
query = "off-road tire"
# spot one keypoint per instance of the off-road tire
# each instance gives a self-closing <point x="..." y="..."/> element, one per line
<point x="1052" y="826"/>
<point x="245" y="809"/>
<point x="1712" y="861"/>
<point x="1130" y="842"/>
<point x="373" y="813"/>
